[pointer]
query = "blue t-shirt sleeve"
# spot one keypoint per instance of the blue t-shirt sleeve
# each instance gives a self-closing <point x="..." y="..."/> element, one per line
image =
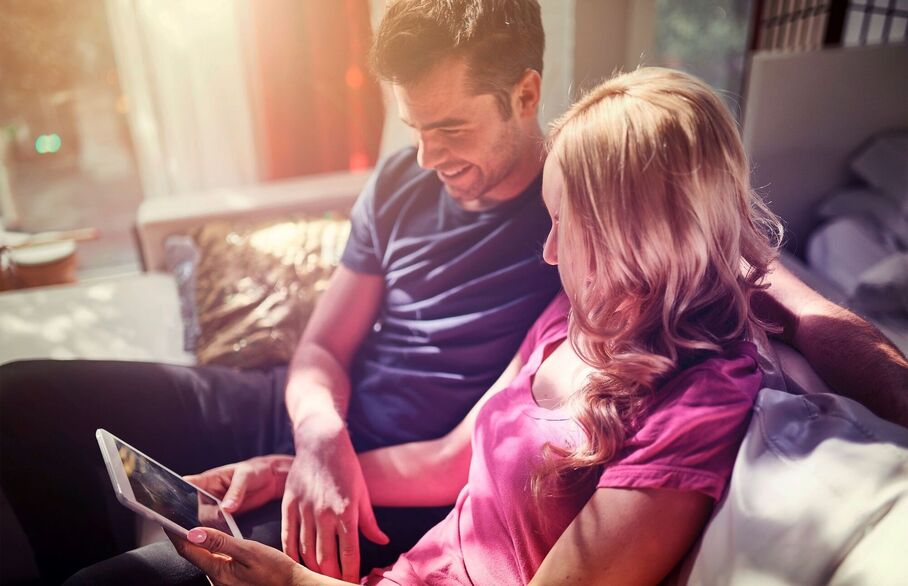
<point x="361" y="253"/>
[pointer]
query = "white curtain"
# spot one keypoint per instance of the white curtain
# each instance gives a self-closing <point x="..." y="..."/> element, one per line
<point x="182" y="67"/>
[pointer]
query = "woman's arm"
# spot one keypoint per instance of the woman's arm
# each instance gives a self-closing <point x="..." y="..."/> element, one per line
<point x="848" y="353"/>
<point x="429" y="473"/>
<point x="626" y="536"/>
<point x="417" y="474"/>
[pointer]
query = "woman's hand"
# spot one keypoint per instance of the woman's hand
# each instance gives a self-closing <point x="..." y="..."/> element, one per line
<point x="246" y="485"/>
<point x="229" y="561"/>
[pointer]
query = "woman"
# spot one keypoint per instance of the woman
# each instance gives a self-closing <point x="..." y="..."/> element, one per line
<point x="602" y="458"/>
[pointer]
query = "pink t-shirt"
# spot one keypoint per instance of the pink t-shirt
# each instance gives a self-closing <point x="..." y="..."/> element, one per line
<point x="497" y="535"/>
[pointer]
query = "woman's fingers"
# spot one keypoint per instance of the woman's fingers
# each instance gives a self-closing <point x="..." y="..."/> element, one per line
<point x="236" y="492"/>
<point x="200" y="546"/>
<point x="214" y="481"/>
<point x="218" y="542"/>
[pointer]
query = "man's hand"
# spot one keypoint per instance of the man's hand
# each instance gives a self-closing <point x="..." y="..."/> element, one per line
<point x="229" y="561"/>
<point x="245" y="485"/>
<point x="325" y="505"/>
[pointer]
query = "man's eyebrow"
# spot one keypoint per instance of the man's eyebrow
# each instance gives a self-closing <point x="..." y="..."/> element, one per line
<point x="443" y="123"/>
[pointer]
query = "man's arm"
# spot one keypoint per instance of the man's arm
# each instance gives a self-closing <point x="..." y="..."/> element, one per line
<point x="429" y="473"/>
<point x="318" y="383"/>
<point x="325" y="501"/>
<point x="849" y="354"/>
<point x="626" y="537"/>
<point x="417" y="474"/>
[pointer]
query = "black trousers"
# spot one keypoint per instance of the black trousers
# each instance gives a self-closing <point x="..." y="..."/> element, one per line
<point x="188" y="418"/>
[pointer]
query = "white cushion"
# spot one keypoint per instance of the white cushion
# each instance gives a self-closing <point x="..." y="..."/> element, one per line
<point x="819" y="495"/>
<point x="136" y="317"/>
<point x="846" y="247"/>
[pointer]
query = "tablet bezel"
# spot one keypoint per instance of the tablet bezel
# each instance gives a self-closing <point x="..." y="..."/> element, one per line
<point x="126" y="496"/>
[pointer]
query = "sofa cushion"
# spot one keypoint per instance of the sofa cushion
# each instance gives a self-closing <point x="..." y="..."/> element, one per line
<point x="256" y="286"/>
<point x="819" y="495"/>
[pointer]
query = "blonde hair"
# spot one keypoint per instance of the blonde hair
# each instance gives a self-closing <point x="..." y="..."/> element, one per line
<point x="668" y="240"/>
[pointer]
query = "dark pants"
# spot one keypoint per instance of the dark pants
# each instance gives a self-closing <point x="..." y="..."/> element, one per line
<point x="189" y="419"/>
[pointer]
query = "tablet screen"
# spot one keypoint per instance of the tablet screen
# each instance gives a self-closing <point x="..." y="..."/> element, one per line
<point x="169" y="495"/>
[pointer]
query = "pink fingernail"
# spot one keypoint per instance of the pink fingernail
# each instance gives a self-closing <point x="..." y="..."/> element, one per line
<point x="197" y="536"/>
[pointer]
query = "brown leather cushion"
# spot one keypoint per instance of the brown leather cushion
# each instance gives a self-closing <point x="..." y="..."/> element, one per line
<point x="256" y="286"/>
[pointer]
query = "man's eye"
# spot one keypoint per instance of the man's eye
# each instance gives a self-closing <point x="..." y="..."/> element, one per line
<point x="451" y="131"/>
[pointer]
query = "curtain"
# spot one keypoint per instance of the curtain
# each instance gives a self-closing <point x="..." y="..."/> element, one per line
<point x="317" y="109"/>
<point x="182" y="68"/>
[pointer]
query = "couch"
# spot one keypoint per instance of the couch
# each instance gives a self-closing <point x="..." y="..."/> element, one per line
<point x="820" y="489"/>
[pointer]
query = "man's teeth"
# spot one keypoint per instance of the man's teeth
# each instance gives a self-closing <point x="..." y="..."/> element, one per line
<point x="455" y="172"/>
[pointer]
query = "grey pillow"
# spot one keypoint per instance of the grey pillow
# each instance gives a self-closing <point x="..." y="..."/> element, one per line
<point x="181" y="258"/>
<point x="818" y="495"/>
<point x="890" y="219"/>
<point x="883" y="288"/>
<point x="882" y="164"/>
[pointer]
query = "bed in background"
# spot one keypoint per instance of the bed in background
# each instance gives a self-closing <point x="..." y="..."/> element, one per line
<point x="809" y="118"/>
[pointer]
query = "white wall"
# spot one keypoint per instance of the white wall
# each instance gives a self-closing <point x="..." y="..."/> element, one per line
<point x="610" y="36"/>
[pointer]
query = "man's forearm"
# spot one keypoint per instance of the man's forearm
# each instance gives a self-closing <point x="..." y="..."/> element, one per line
<point x="318" y="390"/>
<point x="849" y="354"/>
<point x="865" y="367"/>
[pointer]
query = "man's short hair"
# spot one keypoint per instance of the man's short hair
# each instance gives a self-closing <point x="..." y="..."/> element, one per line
<point x="500" y="40"/>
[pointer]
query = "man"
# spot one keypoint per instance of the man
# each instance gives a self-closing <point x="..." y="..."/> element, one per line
<point x="439" y="282"/>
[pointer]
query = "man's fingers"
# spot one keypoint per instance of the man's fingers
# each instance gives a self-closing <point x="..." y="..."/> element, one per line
<point x="326" y="545"/>
<point x="290" y="529"/>
<point x="348" y="542"/>
<point x="237" y="490"/>
<point x="369" y="526"/>
<point x="307" y="540"/>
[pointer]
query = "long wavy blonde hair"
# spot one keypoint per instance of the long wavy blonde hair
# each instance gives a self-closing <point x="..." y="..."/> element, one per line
<point x="671" y="241"/>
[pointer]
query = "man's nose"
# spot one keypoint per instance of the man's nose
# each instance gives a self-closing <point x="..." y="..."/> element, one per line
<point x="429" y="153"/>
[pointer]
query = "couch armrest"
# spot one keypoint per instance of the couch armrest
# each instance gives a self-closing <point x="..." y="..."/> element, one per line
<point x="162" y="217"/>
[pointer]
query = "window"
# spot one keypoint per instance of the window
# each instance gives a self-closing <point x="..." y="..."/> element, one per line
<point x="65" y="147"/>
<point x="707" y="38"/>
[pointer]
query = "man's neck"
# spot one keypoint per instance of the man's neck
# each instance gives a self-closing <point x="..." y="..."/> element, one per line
<point x="529" y="166"/>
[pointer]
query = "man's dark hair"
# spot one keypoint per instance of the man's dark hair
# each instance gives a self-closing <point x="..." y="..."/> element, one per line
<point x="500" y="40"/>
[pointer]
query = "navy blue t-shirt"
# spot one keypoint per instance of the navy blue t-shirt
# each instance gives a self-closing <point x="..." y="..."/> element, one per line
<point x="461" y="290"/>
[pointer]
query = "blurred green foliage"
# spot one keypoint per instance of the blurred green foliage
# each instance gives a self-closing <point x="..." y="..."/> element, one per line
<point x="707" y="38"/>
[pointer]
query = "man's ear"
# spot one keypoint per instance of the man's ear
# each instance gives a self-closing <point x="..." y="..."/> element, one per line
<point x="527" y="93"/>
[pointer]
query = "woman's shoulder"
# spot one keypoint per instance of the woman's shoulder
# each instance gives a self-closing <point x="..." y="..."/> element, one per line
<point x="549" y="326"/>
<point x="554" y="318"/>
<point x="730" y="376"/>
<point x="690" y="438"/>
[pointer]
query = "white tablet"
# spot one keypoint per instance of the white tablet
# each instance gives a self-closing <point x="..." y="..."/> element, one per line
<point x="155" y="492"/>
